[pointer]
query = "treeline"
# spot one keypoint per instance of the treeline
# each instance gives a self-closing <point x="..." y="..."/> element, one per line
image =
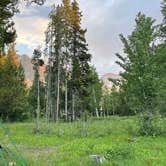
<point x="72" y="88"/>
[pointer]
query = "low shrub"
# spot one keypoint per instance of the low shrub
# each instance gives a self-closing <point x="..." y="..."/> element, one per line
<point x="151" y="124"/>
<point x="119" y="153"/>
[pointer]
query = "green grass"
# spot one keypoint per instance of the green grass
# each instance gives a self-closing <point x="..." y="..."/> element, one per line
<point x="71" y="144"/>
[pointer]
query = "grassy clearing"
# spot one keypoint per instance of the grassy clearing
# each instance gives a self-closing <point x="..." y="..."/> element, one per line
<point x="71" y="144"/>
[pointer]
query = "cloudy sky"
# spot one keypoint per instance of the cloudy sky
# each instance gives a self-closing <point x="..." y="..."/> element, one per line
<point x="104" y="19"/>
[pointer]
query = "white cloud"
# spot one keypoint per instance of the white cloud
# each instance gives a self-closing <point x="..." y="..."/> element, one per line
<point x="31" y="30"/>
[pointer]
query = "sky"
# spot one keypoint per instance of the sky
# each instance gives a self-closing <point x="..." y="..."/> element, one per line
<point x="103" y="19"/>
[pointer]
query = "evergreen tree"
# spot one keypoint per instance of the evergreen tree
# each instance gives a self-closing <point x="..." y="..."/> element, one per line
<point x="163" y="25"/>
<point x="80" y="58"/>
<point x="68" y="60"/>
<point x="7" y="32"/>
<point x="55" y="40"/>
<point x="13" y="96"/>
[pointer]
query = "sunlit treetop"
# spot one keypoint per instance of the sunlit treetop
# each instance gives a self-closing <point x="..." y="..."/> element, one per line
<point x="13" y="56"/>
<point x="76" y="15"/>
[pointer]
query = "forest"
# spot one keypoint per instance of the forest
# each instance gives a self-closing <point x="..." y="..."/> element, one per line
<point x="69" y="118"/>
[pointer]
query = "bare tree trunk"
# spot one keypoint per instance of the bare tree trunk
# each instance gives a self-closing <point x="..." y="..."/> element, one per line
<point x="58" y="92"/>
<point x="107" y="101"/>
<point x="113" y="107"/>
<point x="48" y="97"/>
<point x="38" y="105"/>
<point x="96" y="109"/>
<point x="73" y="107"/>
<point x="66" y="100"/>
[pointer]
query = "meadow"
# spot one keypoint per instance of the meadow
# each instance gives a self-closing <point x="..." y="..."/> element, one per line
<point x="71" y="144"/>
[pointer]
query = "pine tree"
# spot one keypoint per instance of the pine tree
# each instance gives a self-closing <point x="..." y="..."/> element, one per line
<point x="68" y="60"/>
<point x="55" y="41"/>
<point x="163" y="25"/>
<point x="7" y="31"/>
<point x="8" y="8"/>
<point x="13" y="95"/>
<point x="80" y="58"/>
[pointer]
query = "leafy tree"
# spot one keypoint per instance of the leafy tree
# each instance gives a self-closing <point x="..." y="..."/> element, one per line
<point x="93" y="101"/>
<point x="159" y="65"/>
<point x="137" y="80"/>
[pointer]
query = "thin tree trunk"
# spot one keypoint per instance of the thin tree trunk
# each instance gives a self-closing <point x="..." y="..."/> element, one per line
<point x="38" y="105"/>
<point x="113" y="107"/>
<point x="66" y="100"/>
<point x="107" y="109"/>
<point x="58" y="92"/>
<point x="73" y="107"/>
<point x="96" y="109"/>
<point x="48" y="98"/>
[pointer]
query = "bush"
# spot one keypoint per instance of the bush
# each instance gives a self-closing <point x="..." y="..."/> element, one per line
<point x="150" y="124"/>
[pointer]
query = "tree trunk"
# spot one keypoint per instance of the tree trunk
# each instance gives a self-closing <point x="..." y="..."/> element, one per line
<point x="38" y="105"/>
<point x="113" y="107"/>
<point x="58" y="92"/>
<point x="73" y="107"/>
<point x="48" y="97"/>
<point x="96" y="109"/>
<point x="66" y="100"/>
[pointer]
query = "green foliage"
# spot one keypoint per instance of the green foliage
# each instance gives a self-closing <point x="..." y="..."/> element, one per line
<point x="7" y="32"/>
<point x="119" y="153"/>
<point x="163" y="25"/>
<point x="143" y="84"/>
<point x="94" y="90"/>
<point x="13" y="94"/>
<point x="142" y="87"/>
<point x="151" y="124"/>
<point x="115" y="103"/>
<point x="69" y="72"/>
<point x="8" y="8"/>
<point x="137" y="84"/>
